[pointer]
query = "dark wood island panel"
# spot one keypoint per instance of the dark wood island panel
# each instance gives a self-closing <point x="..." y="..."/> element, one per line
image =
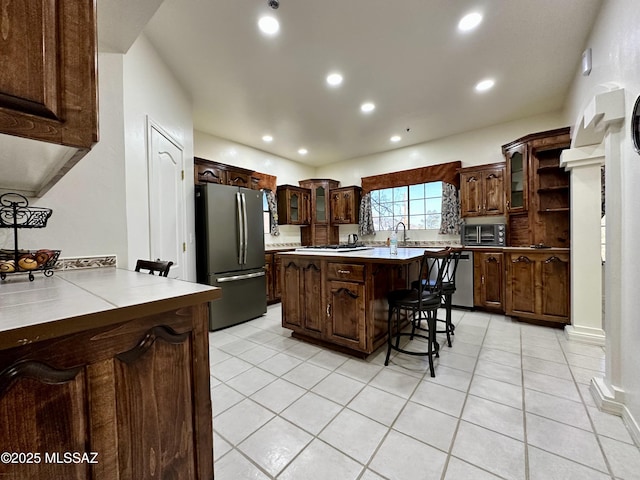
<point x="339" y="300"/>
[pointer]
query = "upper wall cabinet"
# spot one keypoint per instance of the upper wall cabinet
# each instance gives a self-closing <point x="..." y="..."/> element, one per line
<point x="345" y="205"/>
<point x="538" y="189"/>
<point x="482" y="190"/>
<point x="207" y="171"/>
<point x="48" y="70"/>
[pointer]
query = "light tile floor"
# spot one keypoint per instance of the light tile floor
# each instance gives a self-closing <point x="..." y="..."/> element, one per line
<point x="509" y="400"/>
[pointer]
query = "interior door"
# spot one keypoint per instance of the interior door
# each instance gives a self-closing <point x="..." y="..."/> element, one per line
<point x="166" y="201"/>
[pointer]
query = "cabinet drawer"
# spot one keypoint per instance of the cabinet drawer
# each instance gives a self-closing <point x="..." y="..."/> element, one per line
<point x="345" y="271"/>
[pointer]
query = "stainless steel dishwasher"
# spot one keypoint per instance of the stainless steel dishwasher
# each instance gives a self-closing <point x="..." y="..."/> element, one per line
<point x="464" y="281"/>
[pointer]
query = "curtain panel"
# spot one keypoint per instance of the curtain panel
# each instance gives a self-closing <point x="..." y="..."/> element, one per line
<point x="273" y="209"/>
<point x="445" y="172"/>
<point x="450" y="222"/>
<point x="366" y="216"/>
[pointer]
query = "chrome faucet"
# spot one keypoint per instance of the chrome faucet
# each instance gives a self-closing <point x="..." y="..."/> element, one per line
<point x="404" y="232"/>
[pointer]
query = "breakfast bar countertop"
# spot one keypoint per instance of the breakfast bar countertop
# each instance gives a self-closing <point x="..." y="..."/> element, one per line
<point x="73" y="301"/>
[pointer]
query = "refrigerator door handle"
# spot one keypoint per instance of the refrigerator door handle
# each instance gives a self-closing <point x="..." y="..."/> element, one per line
<point x="246" y="276"/>
<point x="245" y="228"/>
<point x="241" y="225"/>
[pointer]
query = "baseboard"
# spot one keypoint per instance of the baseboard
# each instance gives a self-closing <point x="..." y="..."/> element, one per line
<point x="610" y="402"/>
<point x="591" y="336"/>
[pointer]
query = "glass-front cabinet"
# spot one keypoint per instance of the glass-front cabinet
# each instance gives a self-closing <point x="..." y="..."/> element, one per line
<point x="321" y="205"/>
<point x="293" y="205"/>
<point x="516" y="185"/>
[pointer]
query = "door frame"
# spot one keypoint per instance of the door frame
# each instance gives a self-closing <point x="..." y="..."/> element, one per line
<point x="154" y="125"/>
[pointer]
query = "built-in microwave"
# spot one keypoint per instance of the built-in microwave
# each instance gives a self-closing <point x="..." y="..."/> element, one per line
<point x="478" y="235"/>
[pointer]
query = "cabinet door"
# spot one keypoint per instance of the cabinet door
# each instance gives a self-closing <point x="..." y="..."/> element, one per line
<point x="210" y="174"/>
<point x="321" y="203"/>
<point x="277" y="280"/>
<point x="238" y="179"/>
<point x="345" y="313"/>
<point x="554" y="282"/>
<point x="305" y="208"/>
<point x="521" y="285"/>
<point x="48" y="80"/>
<point x="338" y="207"/>
<point x="489" y="280"/>
<point x="516" y="185"/>
<point x="269" y="274"/>
<point x="493" y="188"/>
<point x="302" y="306"/>
<point x="471" y="196"/>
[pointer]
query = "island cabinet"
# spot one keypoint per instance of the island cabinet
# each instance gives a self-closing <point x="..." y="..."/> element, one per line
<point x="488" y="280"/>
<point x="272" y="262"/>
<point x="302" y="306"/>
<point x="122" y="386"/>
<point x="346" y="324"/>
<point x="341" y="301"/>
<point x="482" y="190"/>
<point x="538" y="284"/>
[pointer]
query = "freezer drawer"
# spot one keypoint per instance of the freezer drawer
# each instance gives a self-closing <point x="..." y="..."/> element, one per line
<point x="243" y="297"/>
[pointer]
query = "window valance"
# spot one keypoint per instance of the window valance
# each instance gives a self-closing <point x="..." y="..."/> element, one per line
<point x="444" y="172"/>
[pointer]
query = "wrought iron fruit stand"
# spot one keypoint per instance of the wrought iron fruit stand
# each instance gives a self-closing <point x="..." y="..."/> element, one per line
<point x="15" y="213"/>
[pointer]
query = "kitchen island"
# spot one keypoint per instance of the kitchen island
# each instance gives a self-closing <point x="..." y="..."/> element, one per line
<point x="339" y="299"/>
<point x="104" y="374"/>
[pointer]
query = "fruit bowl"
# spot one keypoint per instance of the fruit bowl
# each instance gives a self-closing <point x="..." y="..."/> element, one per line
<point x="20" y="261"/>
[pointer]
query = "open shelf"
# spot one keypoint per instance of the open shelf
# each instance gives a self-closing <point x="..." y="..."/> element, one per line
<point x="556" y="188"/>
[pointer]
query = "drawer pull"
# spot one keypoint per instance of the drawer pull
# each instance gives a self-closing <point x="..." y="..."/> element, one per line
<point x="344" y="272"/>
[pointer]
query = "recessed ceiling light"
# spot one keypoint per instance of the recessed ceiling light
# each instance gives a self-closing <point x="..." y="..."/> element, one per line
<point x="396" y="138"/>
<point x="334" y="79"/>
<point x="303" y="151"/>
<point x="267" y="138"/>
<point x="367" y="107"/>
<point x="485" y="85"/>
<point x="469" y="22"/>
<point x="269" y="25"/>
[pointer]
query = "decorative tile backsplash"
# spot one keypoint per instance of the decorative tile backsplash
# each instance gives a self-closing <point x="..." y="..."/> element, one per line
<point x="77" y="263"/>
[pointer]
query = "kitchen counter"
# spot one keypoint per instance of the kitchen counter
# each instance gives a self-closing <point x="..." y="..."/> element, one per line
<point x="376" y="254"/>
<point x="108" y="365"/>
<point x="68" y="302"/>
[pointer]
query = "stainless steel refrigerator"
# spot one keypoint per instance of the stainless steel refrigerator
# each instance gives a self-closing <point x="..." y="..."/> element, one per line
<point x="230" y="251"/>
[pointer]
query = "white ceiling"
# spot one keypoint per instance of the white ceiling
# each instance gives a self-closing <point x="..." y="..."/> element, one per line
<point x="406" y="56"/>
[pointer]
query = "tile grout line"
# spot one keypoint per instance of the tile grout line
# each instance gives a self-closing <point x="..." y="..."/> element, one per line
<point x="593" y="426"/>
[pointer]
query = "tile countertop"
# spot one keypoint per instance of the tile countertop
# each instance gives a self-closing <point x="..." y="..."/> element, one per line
<point x="372" y="254"/>
<point x="73" y="301"/>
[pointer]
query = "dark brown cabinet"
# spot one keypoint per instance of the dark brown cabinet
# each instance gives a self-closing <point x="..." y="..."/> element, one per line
<point x="517" y="177"/>
<point x="48" y="89"/>
<point x="538" y="190"/>
<point x="207" y="171"/>
<point x="320" y="230"/>
<point x="538" y="285"/>
<point x="48" y="77"/>
<point x="488" y="280"/>
<point x="346" y="304"/>
<point x="482" y="190"/>
<point x="121" y="391"/>
<point x="345" y="205"/>
<point x="302" y="310"/>
<point x="294" y="205"/>
<point x="272" y="262"/>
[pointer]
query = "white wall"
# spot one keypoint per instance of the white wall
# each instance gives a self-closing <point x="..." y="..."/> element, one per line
<point x="89" y="201"/>
<point x="151" y="90"/>
<point x="616" y="58"/>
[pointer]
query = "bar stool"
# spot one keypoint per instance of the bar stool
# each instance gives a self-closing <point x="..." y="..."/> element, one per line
<point x="448" y="289"/>
<point x="160" y="267"/>
<point x="426" y="299"/>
